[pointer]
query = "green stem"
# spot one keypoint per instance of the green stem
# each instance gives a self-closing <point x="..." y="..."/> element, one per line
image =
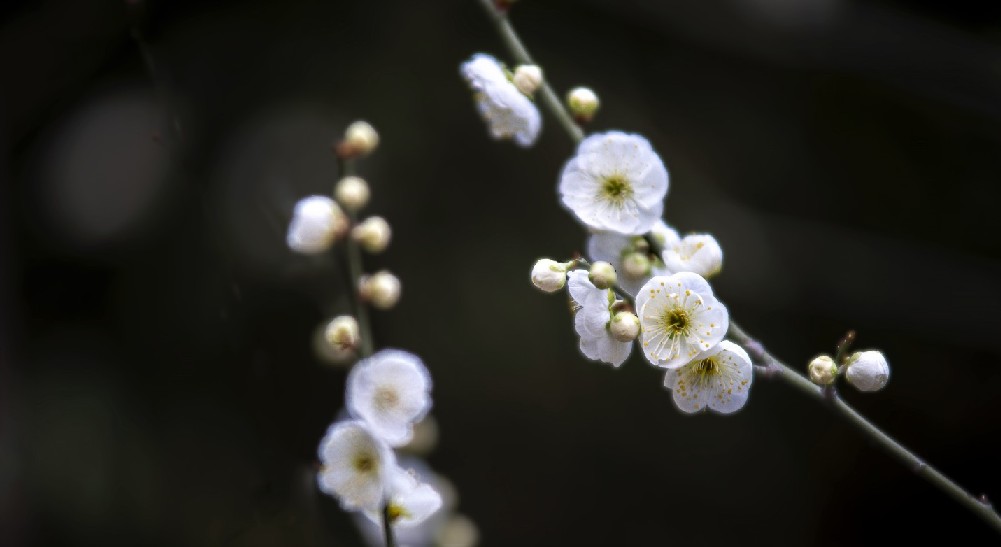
<point x="387" y="527"/>
<point x="774" y="368"/>
<point x="521" y="55"/>
<point x="355" y="271"/>
<point x="771" y="366"/>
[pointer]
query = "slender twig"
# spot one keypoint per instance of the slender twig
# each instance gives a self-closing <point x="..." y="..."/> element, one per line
<point x="520" y="54"/>
<point x="353" y="255"/>
<point x="768" y="365"/>
<point x="387" y="527"/>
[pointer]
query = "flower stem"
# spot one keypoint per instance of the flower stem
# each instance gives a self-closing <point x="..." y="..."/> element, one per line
<point x="770" y="365"/>
<point x="353" y="253"/>
<point x="520" y="54"/>
<point x="387" y="527"/>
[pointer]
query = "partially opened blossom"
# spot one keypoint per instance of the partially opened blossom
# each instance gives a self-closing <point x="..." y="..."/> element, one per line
<point x="697" y="253"/>
<point x="616" y="183"/>
<point x="508" y="112"/>
<point x="680" y="318"/>
<point x="317" y="221"/>
<point x="591" y="321"/>
<point x="410" y="500"/>
<point x="355" y="465"/>
<point x="390" y="391"/>
<point x="614" y="248"/>
<point x="868" y="370"/>
<point x="718" y="379"/>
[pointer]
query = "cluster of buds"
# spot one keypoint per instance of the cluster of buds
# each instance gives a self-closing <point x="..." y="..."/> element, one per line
<point x="865" y="370"/>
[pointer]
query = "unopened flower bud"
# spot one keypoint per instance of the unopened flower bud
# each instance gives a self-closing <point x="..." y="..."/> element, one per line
<point x="823" y="370"/>
<point x="527" y="78"/>
<point x="868" y="370"/>
<point x="372" y="234"/>
<point x="583" y="103"/>
<point x="625" y="326"/>
<point x="549" y="275"/>
<point x="636" y="265"/>
<point x="335" y="355"/>
<point x="361" y="138"/>
<point x="602" y="275"/>
<point x="317" y="222"/>
<point x="382" y="289"/>
<point x="352" y="192"/>
<point x="342" y="332"/>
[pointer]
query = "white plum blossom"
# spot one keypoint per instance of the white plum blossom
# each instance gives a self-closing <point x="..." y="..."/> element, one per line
<point x="410" y="501"/>
<point x="718" y="379"/>
<point x="390" y="391"/>
<point x="616" y="183"/>
<point x="698" y="253"/>
<point x="508" y="112"/>
<point x="613" y="248"/>
<point x="680" y="318"/>
<point x="317" y="221"/>
<point x="355" y="465"/>
<point x="868" y="370"/>
<point x="591" y="321"/>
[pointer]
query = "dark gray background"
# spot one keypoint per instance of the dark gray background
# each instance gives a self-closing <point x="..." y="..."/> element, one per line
<point x="157" y="383"/>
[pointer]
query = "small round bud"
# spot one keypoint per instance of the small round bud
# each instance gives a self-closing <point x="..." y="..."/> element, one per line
<point x="549" y="275"/>
<point x="317" y="222"/>
<point x="382" y="289"/>
<point x="352" y="192"/>
<point x="583" y="103"/>
<point x="372" y="234"/>
<point x="331" y="354"/>
<point x="823" y="370"/>
<point x="342" y="332"/>
<point x="527" y="78"/>
<point x="636" y="265"/>
<point x="602" y="274"/>
<point x="625" y="326"/>
<point x="868" y="370"/>
<point x="361" y="138"/>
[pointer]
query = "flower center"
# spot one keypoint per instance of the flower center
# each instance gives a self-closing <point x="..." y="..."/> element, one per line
<point x="386" y="398"/>
<point x="676" y="322"/>
<point x="395" y="511"/>
<point x="616" y="188"/>
<point x="364" y="463"/>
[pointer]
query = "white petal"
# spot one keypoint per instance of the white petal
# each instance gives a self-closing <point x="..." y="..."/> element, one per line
<point x="390" y="391"/>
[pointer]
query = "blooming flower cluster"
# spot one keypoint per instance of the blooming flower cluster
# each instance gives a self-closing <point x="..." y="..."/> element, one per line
<point x="388" y="393"/>
<point x="616" y="185"/>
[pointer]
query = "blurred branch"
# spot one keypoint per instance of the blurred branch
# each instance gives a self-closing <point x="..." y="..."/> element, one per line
<point x="771" y="367"/>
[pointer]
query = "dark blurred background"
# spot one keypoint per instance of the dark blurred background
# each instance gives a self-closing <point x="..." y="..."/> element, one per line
<point x="158" y="383"/>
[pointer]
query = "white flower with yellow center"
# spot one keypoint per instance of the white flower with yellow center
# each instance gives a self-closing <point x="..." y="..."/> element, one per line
<point x="355" y="466"/>
<point x="509" y="113"/>
<point x="718" y="379"/>
<point x="410" y="500"/>
<point x="591" y="321"/>
<point x="698" y="253"/>
<point x="615" y="183"/>
<point x="390" y="391"/>
<point x="614" y="248"/>
<point x="680" y="318"/>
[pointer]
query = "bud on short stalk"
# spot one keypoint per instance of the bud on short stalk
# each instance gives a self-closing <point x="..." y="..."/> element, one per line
<point x="352" y="192"/>
<point x="602" y="275"/>
<point x="382" y="289"/>
<point x="549" y="275"/>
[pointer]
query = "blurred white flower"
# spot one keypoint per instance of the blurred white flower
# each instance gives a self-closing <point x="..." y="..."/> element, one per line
<point x="317" y="221"/>
<point x="509" y="113"/>
<point x="411" y="501"/>
<point x="868" y="370"/>
<point x="592" y="321"/>
<point x="549" y="275"/>
<point x="616" y="182"/>
<point x="697" y="253"/>
<point x="390" y="391"/>
<point x="355" y="465"/>
<point x="718" y="379"/>
<point x="680" y="318"/>
<point x="621" y="250"/>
